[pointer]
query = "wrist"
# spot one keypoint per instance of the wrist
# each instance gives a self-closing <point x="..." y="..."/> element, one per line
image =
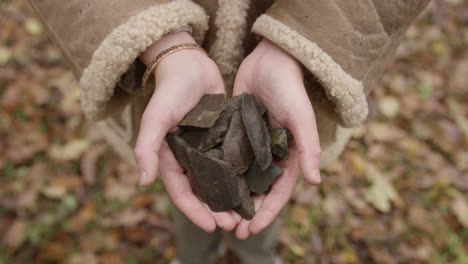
<point x="269" y="54"/>
<point x="167" y="41"/>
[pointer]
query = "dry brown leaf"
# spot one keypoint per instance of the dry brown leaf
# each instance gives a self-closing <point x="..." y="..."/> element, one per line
<point x="389" y="106"/>
<point x="52" y="252"/>
<point x="460" y="209"/>
<point x="118" y="191"/>
<point x="15" y="234"/>
<point x="110" y="258"/>
<point x="70" y="151"/>
<point x="300" y="215"/>
<point x="54" y="191"/>
<point x="86" y="214"/>
<point x="381" y="257"/>
<point x="419" y="217"/>
<point x="128" y="217"/>
<point x="88" y="258"/>
<point x="381" y="192"/>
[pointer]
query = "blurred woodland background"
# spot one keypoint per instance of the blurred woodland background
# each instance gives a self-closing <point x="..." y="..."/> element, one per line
<point x="397" y="195"/>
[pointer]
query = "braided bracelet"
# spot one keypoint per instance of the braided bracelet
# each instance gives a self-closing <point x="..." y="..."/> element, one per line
<point x="163" y="55"/>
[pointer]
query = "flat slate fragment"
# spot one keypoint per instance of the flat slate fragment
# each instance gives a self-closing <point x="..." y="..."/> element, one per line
<point x="206" y="112"/>
<point x="246" y="209"/>
<point x="214" y="153"/>
<point x="234" y="104"/>
<point x="203" y="139"/>
<point x="212" y="180"/>
<point x="236" y="145"/>
<point x="258" y="180"/>
<point x="257" y="131"/>
<point x="279" y="143"/>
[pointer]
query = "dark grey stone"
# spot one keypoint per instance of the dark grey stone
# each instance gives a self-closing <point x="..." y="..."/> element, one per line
<point x="212" y="180"/>
<point x="206" y="112"/>
<point x="257" y="132"/>
<point x="258" y="180"/>
<point x="236" y="145"/>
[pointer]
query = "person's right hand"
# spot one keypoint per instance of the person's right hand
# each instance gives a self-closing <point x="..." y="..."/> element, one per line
<point x="182" y="79"/>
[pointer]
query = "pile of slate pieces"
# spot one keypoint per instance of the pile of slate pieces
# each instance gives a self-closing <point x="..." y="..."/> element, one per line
<point x="227" y="151"/>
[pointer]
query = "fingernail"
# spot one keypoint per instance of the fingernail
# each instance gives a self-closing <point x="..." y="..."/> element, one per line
<point x="143" y="176"/>
<point x="316" y="176"/>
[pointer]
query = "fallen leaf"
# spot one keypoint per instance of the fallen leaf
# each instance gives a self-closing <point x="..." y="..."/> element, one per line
<point x="86" y="214"/>
<point x="128" y="217"/>
<point x="33" y="27"/>
<point x="5" y="56"/>
<point x="381" y="257"/>
<point x="118" y="191"/>
<point x="419" y="217"/>
<point x="300" y="215"/>
<point x="15" y="234"/>
<point x="460" y="209"/>
<point x="54" y="191"/>
<point x="381" y="192"/>
<point x="110" y="258"/>
<point x="70" y="151"/>
<point x="389" y="106"/>
<point x="297" y="249"/>
<point x="52" y="252"/>
<point x="87" y="257"/>
<point x="457" y="112"/>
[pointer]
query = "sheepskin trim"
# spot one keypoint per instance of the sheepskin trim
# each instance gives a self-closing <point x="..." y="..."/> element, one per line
<point x="227" y="50"/>
<point x="346" y="93"/>
<point x="125" y="43"/>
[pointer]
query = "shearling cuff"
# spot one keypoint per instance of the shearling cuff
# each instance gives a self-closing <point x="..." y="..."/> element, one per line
<point x="345" y="92"/>
<point x="119" y="50"/>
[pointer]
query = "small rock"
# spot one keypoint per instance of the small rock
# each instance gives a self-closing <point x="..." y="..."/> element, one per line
<point x="257" y="132"/>
<point x="214" y="153"/>
<point x="246" y="209"/>
<point x="236" y="146"/>
<point x="259" y="181"/>
<point x="203" y="139"/>
<point x="206" y="112"/>
<point x="212" y="180"/>
<point x="279" y="143"/>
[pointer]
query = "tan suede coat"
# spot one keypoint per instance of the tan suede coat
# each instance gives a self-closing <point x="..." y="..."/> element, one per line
<point x="344" y="45"/>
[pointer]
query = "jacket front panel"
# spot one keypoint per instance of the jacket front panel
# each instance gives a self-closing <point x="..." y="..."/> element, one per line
<point x="344" y="46"/>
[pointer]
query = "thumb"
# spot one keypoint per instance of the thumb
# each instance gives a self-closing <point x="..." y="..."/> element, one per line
<point x="156" y="121"/>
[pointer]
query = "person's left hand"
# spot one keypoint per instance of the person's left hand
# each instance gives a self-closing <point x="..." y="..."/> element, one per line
<point x="276" y="81"/>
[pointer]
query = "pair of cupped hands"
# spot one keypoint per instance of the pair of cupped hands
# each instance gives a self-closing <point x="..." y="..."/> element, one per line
<point x="182" y="79"/>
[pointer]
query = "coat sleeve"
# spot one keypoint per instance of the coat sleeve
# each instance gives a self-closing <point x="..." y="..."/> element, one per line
<point x="346" y="45"/>
<point x="102" y="40"/>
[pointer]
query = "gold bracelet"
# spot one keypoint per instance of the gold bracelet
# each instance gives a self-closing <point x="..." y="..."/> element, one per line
<point x="163" y="55"/>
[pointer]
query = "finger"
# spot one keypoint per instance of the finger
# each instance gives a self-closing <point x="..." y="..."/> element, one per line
<point x="223" y="219"/>
<point x="180" y="192"/>
<point x="242" y="230"/>
<point x="279" y="194"/>
<point x="303" y="127"/>
<point x="236" y="217"/>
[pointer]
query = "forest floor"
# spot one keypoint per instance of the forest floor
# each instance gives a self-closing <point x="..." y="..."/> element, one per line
<point x="397" y="195"/>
